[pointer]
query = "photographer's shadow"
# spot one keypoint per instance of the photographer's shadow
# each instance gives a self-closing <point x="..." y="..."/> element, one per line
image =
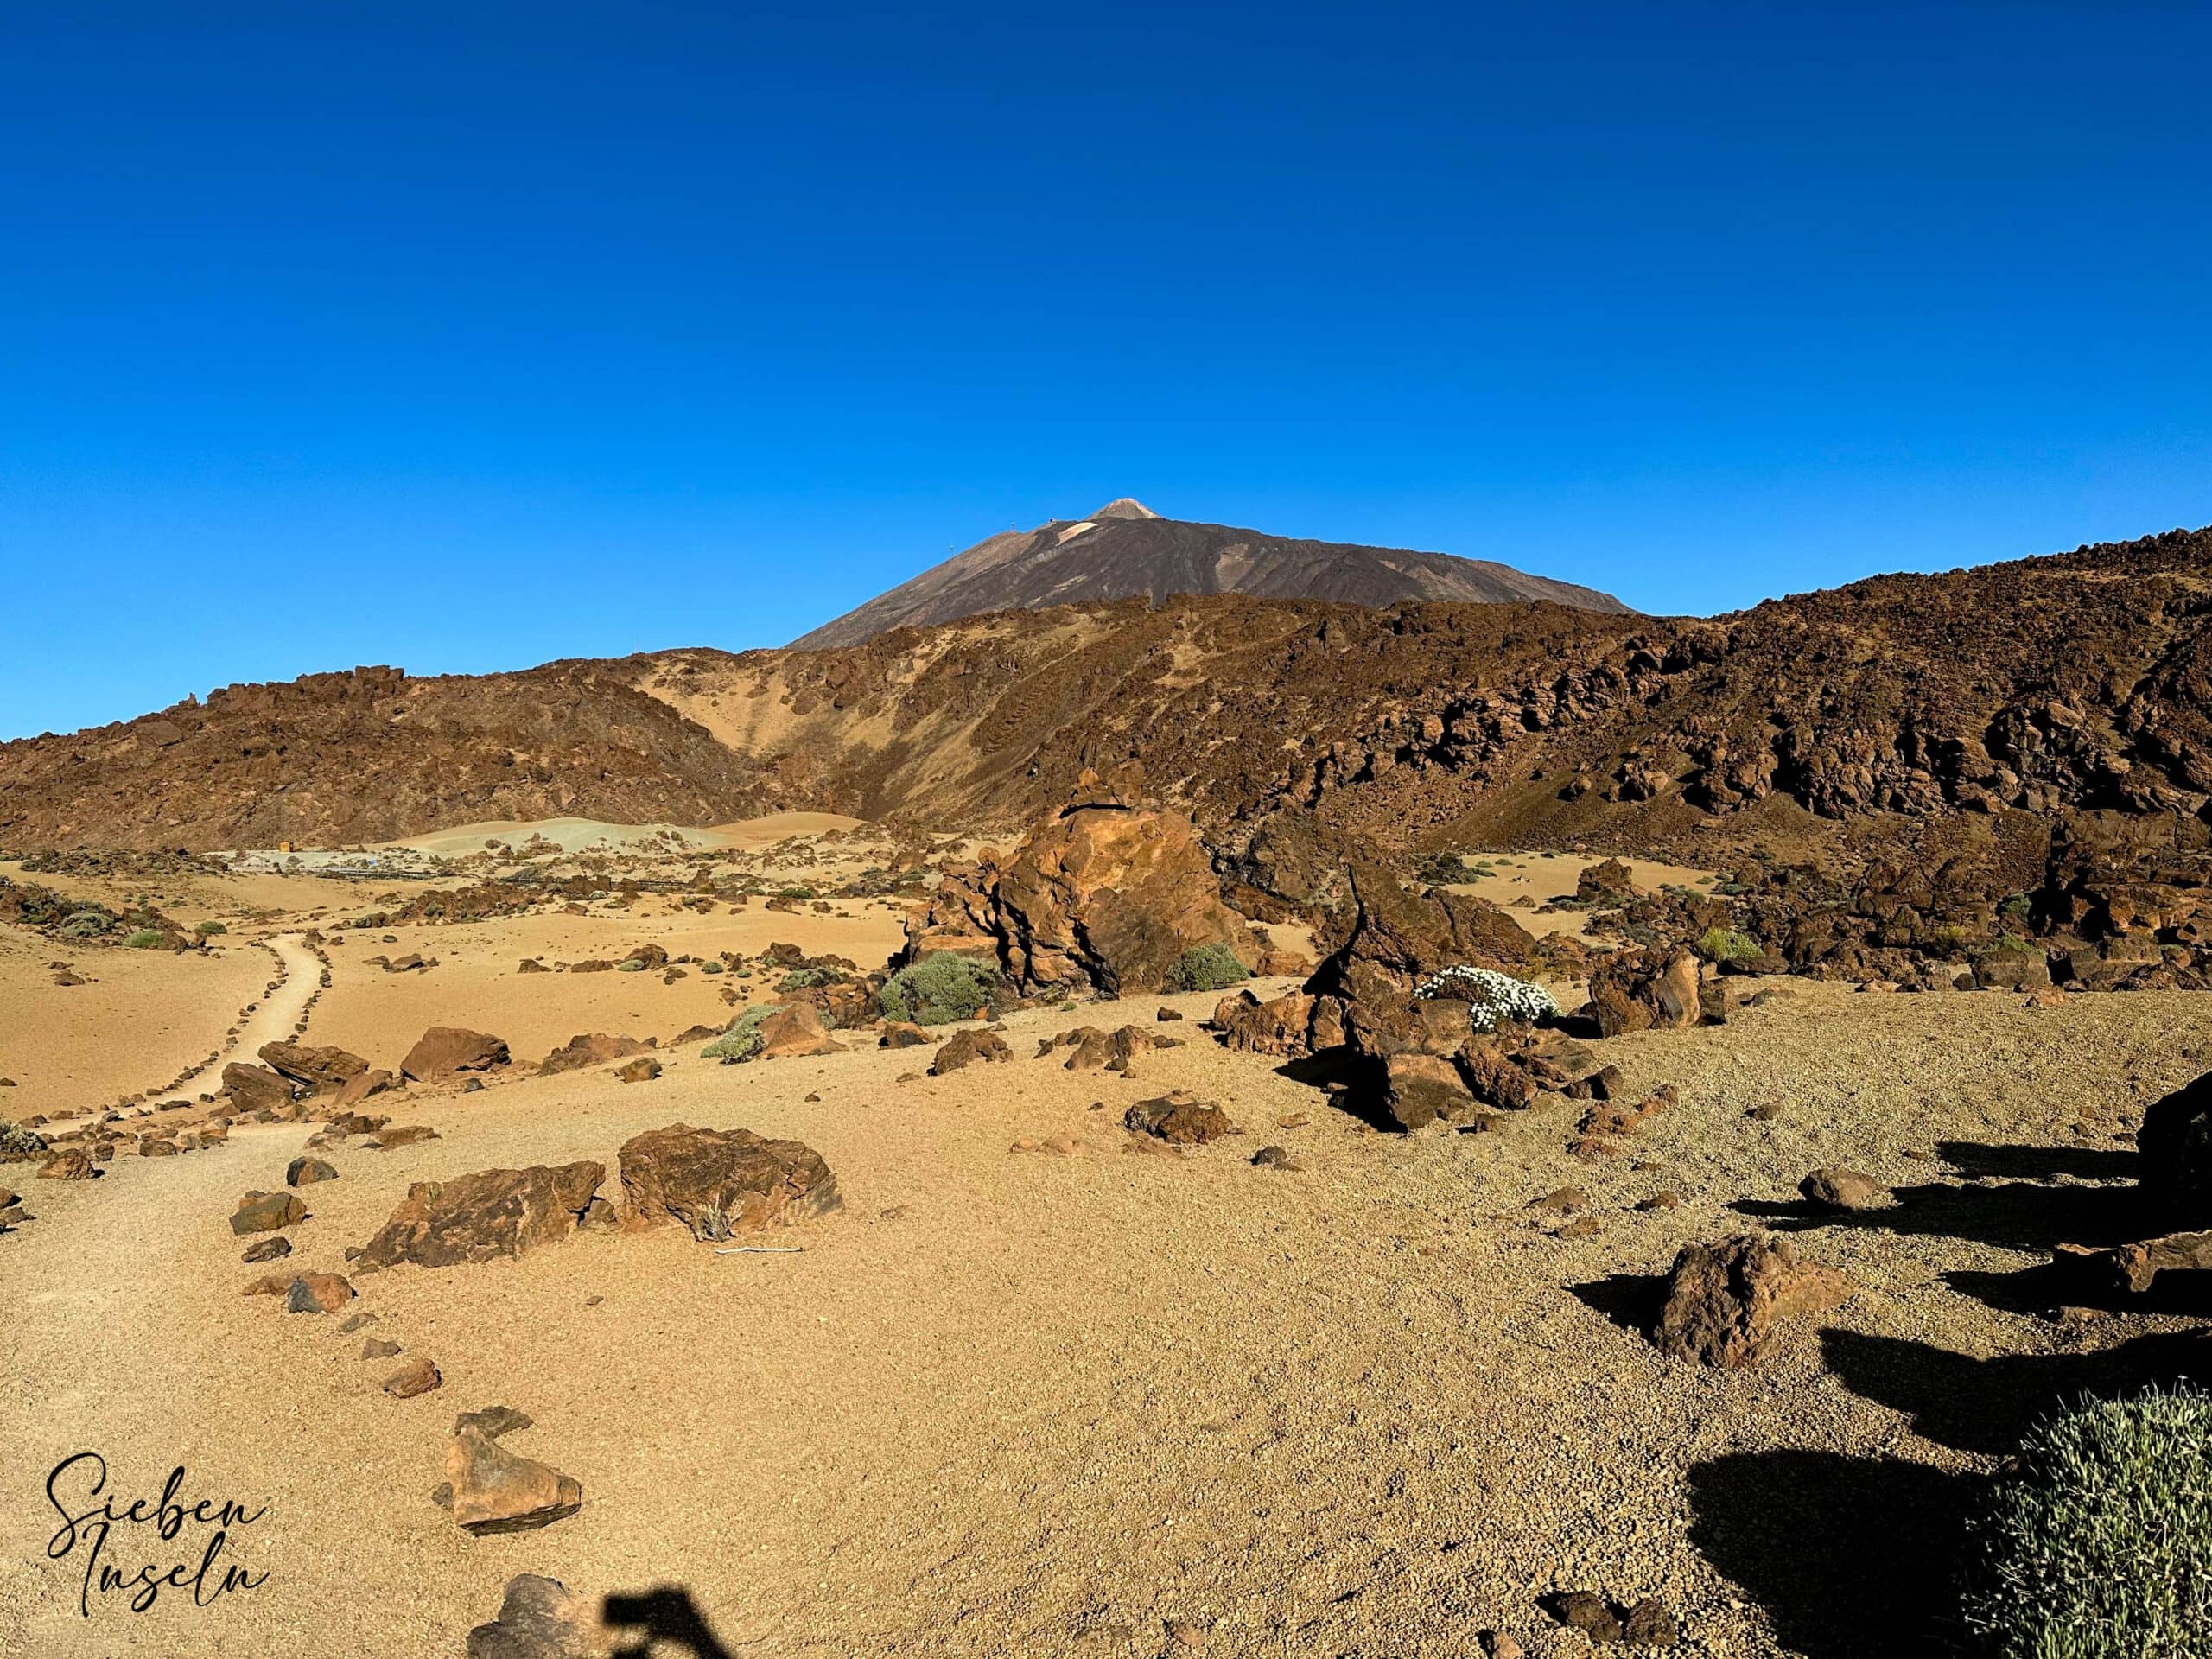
<point x="666" y="1621"/>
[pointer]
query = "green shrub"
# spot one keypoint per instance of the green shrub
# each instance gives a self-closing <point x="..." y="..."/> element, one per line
<point x="803" y="979"/>
<point x="2017" y="907"/>
<point x="15" y="1142"/>
<point x="1726" y="944"/>
<point x="631" y="965"/>
<point x="2099" y="1545"/>
<point x="938" y="989"/>
<point x="1208" y="968"/>
<point x="742" y="1040"/>
<point x="794" y="893"/>
<point x="209" y="930"/>
<point x="87" y="924"/>
<point x="145" y="940"/>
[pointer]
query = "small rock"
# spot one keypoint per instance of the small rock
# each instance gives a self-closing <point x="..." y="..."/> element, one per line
<point x="493" y="1422"/>
<point x="1587" y="1611"/>
<point x="264" y="1212"/>
<point x="306" y="1172"/>
<point x="644" y="1069"/>
<point x="1648" y="1624"/>
<point x="1273" y="1158"/>
<point x="495" y="1489"/>
<point x="539" y="1618"/>
<point x="268" y="1249"/>
<point x="1844" y="1190"/>
<point x="418" y="1376"/>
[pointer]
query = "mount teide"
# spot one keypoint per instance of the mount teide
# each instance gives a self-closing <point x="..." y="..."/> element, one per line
<point x="1125" y="550"/>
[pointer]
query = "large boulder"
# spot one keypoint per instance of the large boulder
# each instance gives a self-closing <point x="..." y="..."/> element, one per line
<point x="1646" y="990"/>
<point x="1727" y="1303"/>
<point x="1281" y="1026"/>
<point x="484" y="1215"/>
<point x="968" y="1047"/>
<point x="1111" y="896"/>
<point x="2176" y="1146"/>
<point x="717" y="1182"/>
<point x="256" y="1088"/>
<point x="796" y="1030"/>
<point x="451" y="1051"/>
<point x="589" y="1049"/>
<point x="317" y="1071"/>
<point x="494" y="1489"/>
<point x="1405" y="938"/>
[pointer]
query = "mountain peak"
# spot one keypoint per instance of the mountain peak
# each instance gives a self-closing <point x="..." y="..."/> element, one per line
<point x="1127" y="506"/>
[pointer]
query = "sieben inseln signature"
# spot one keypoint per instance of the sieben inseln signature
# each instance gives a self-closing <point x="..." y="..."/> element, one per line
<point x="119" y="1559"/>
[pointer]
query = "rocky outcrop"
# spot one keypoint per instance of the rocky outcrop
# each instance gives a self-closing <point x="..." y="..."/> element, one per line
<point x="485" y="1214"/>
<point x="1404" y="938"/>
<point x="589" y="1049"/>
<point x="1728" y="1303"/>
<point x="2175" y="1144"/>
<point x="312" y="1070"/>
<point x="966" y="1048"/>
<point x="1179" y="1119"/>
<point x="719" y="1182"/>
<point x="1646" y="990"/>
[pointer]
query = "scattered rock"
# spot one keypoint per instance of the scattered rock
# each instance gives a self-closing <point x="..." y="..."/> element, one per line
<point x="539" y="1618"/>
<point x="1727" y="1303"/>
<point x="494" y="1489"/>
<point x="264" y="1212"/>
<point x="418" y="1376"/>
<point x="643" y="1068"/>
<point x="1179" y="1119"/>
<point x="589" y="1049"/>
<point x="1273" y="1158"/>
<point x="316" y="1070"/>
<point x="379" y="1348"/>
<point x="70" y="1167"/>
<point x="318" y="1293"/>
<point x="1844" y="1190"/>
<point x="966" y="1048"/>
<point x="268" y="1249"/>
<point x="1589" y="1612"/>
<point x="306" y="1172"/>
<point x="401" y="1135"/>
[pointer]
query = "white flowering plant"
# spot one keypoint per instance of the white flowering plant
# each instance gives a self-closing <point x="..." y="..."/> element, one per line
<point x="1493" y="998"/>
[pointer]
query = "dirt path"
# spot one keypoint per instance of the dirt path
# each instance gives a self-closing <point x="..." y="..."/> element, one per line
<point x="274" y="1015"/>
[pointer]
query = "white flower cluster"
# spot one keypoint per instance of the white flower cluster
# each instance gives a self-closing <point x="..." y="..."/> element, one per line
<point x="1491" y="997"/>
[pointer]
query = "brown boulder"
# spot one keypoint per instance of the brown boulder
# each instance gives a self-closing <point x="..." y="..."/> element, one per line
<point x="1727" y="1303"/>
<point x="264" y="1212"/>
<point x="902" y="1034"/>
<point x="968" y="1047"/>
<point x="717" y="1182"/>
<point x="643" y="1068"/>
<point x="1112" y="896"/>
<point x="256" y="1088"/>
<point x="494" y="1489"/>
<point x="67" y="1167"/>
<point x="589" y="1049"/>
<point x="1278" y="1026"/>
<point x="418" y="1376"/>
<point x="1643" y="990"/>
<point x="306" y="1172"/>
<point x="1406" y="938"/>
<point x="484" y="1215"/>
<point x="795" y="1031"/>
<point x="1419" y="1089"/>
<point x="318" y="1071"/>
<point x="1179" y="1119"/>
<point x="318" y="1293"/>
<point x="449" y="1050"/>
<point x="1844" y="1190"/>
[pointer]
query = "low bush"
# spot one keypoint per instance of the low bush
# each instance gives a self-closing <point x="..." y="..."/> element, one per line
<point x="209" y="930"/>
<point x="87" y="924"/>
<point x="15" y="1142"/>
<point x="938" y="989"/>
<point x="1207" y="968"/>
<point x="2098" y="1544"/>
<point x="1726" y="944"/>
<point x="145" y="940"/>
<point x="742" y="1040"/>
<point x="1493" y="998"/>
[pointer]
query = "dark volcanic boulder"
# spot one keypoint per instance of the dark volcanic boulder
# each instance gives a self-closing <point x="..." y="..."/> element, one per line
<point x="967" y="1047"/>
<point x="717" y="1182"/>
<point x="1727" y="1303"/>
<point x="539" y="1618"/>
<point x="490" y="1213"/>
<point x="1180" y="1120"/>
<point x="449" y="1051"/>
<point x="2176" y="1147"/>
<point x="256" y="1088"/>
<point x="1281" y="1026"/>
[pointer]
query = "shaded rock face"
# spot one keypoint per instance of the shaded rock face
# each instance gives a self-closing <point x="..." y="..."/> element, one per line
<point x="591" y="1048"/>
<point x="1727" y="1303"/>
<point x="1281" y="1026"/>
<point x="485" y="1214"/>
<point x="317" y="1071"/>
<point x="1102" y="895"/>
<point x="539" y="1618"/>
<point x="718" y="1182"/>
<point x="1406" y="936"/>
<point x="450" y="1051"/>
<point x="1646" y="991"/>
<point x="2176" y="1144"/>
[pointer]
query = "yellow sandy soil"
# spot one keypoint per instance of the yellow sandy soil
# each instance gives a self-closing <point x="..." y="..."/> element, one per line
<point x="1546" y="876"/>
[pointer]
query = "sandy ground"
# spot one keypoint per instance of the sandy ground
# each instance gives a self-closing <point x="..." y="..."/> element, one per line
<point x="479" y="983"/>
<point x="1543" y="877"/>
<point x="1015" y="1403"/>
<point x="145" y="1017"/>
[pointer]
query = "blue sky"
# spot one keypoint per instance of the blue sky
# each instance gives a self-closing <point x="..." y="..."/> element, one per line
<point x="469" y="336"/>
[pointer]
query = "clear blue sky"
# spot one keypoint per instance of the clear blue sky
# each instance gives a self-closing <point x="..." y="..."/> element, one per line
<point x="467" y="336"/>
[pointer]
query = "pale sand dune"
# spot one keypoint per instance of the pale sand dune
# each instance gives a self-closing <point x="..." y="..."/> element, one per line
<point x="1019" y="1404"/>
<point x="756" y="834"/>
<point x="570" y="835"/>
<point x="1546" y="876"/>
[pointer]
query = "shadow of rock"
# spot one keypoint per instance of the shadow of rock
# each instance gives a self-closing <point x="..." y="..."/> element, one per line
<point x="1987" y="1405"/>
<point x="2015" y="1215"/>
<point x="1632" y="1300"/>
<point x="1849" y="1556"/>
<point x="1974" y="1159"/>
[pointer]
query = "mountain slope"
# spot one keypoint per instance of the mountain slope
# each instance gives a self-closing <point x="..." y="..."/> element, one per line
<point x="1125" y="550"/>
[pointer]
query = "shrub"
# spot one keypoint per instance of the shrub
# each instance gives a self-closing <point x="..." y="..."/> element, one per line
<point x="794" y="893"/>
<point x="803" y="979"/>
<point x="2017" y="907"/>
<point x="631" y="965"/>
<point x="87" y="924"/>
<point x="145" y="940"/>
<point x="1726" y="944"/>
<point x="209" y="930"/>
<point x="938" y="989"/>
<point x="742" y="1040"/>
<point x="1208" y="968"/>
<point x="15" y="1142"/>
<point x="2098" y="1546"/>
<point x="1491" y="997"/>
